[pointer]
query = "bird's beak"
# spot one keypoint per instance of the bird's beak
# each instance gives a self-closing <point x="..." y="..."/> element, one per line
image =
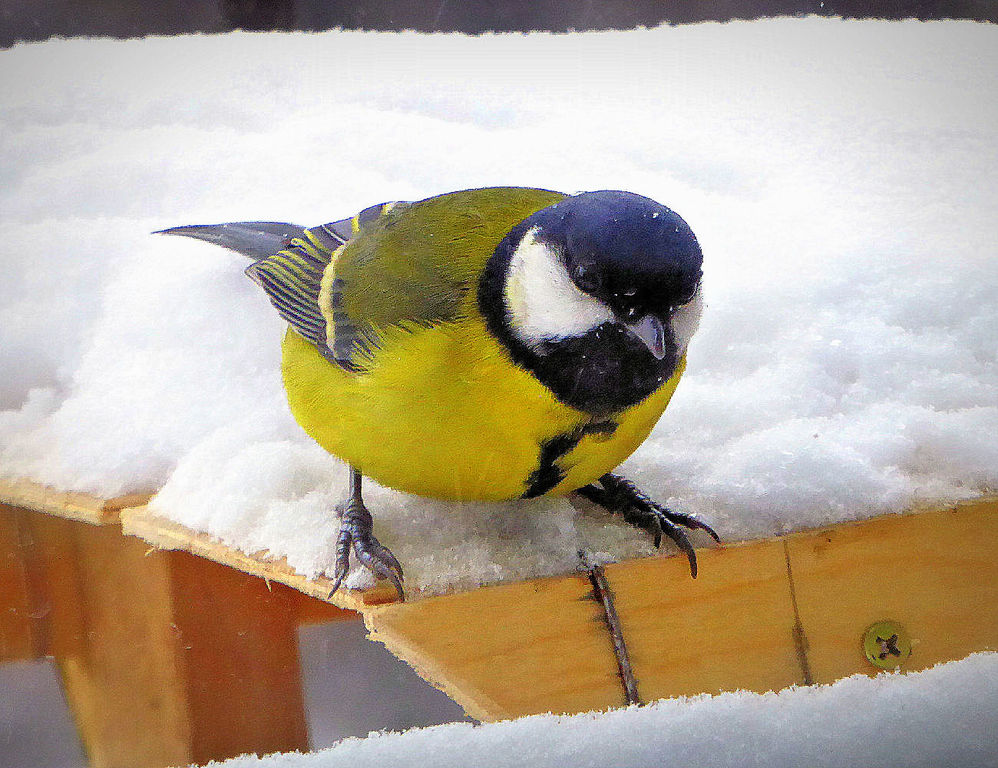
<point x="649" y="329"/>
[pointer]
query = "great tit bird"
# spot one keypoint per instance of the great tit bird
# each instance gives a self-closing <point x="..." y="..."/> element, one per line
<point x="488" y="344"/>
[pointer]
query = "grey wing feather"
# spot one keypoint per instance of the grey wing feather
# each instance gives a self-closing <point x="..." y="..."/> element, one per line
<point x="256" y="239"/>
<point x="288" y="263"/>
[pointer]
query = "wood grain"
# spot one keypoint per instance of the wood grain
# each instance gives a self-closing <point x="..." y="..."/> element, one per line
<point x="509" y="650"/>
<point x="21" y="638"/>
<point x="541" y="646"/>
<point x="237" y="646"/>
<point x="730" y="628"/>
<point x="761" y="616"/>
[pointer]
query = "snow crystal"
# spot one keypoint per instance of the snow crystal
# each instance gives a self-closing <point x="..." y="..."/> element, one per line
<point x="840" y="177"/>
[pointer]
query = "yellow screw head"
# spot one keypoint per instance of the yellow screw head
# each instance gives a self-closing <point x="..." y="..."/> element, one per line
<point x="886" y="644"/>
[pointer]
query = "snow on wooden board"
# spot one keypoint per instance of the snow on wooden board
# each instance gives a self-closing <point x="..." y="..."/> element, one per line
<point x="839" y="176"/>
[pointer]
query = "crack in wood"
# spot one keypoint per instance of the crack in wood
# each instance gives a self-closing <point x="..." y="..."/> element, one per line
<point x="604" y="595"/>
<point x="800" y="638"/>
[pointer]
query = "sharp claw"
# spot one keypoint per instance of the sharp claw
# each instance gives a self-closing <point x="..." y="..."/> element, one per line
<point x="713" y="534"/>
<point x="343" y="541"/>
<point x="335" y="587"/>
<point x="397" y="582"/>
<point x="689" y="521"/>
<point x="373" y="554"/>
<point x="380" y="560"/>
<point x="392" y="562"/>
<point x="342" y="563"/>
<point x="682" y="518"/>
<point x="679" y="536"/>
<point x="657" y="531"/>
<point x="355" y="534"/>
<point x="620" y="495"/>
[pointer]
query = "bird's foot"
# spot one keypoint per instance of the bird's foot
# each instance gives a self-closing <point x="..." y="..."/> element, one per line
<point x="357" y="533"/>
<point x="620" y="495"/>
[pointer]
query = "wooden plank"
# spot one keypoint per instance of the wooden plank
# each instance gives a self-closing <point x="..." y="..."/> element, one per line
<point x="935" y="573"/>
<point x="509" y="650"/>
<point x="69" y="504"/>
<point x="731" y="628"/>
<point x="541" y="646"/>
<point x="43" y="567"/>
<point x="166" y="534"/>
<point x="761" y="616"/>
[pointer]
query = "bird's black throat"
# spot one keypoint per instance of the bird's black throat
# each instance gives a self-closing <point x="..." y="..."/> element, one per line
<point x="602" y="372"/>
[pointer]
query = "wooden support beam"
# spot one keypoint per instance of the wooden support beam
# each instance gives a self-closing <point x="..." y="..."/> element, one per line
<point x="20" y="635"/>
<point x="120" y="663"/>
<point x="237" y="644"/>
<point x="166" y="658"/>
<point x="44" y="585"/>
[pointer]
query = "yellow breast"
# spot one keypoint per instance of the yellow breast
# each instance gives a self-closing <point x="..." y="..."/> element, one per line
<point x="444" y="412"/>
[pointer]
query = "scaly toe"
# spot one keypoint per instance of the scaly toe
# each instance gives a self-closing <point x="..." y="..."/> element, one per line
<point x="379" y="559"/>
<point x="356" y="533"/>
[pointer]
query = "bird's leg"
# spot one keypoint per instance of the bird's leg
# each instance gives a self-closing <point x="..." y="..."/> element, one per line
<point x="620" y="495"/>
<point x="357" y="533"/>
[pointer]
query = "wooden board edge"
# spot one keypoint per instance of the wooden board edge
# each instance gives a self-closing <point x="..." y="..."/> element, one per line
<point x="431" y="669"/>
<point x="163" y="533"/>
<point x="384" y="623"/>
<point x="72" y="505"/>
<point x="166" y="534"/>
<point x="136" y="519"/>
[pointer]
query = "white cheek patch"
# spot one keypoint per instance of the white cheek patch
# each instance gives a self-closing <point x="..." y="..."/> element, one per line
<point x="685" y="321"/>
<point x="543" y="302"/>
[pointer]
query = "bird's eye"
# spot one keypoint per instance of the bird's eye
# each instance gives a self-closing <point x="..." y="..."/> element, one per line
<point x="586" y="277"/>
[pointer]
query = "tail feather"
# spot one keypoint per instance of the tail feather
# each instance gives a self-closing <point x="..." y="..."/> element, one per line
<point x="256" y="239"/>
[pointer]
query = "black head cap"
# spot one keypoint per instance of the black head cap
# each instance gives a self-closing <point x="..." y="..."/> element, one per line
<point x="627" y="250"/>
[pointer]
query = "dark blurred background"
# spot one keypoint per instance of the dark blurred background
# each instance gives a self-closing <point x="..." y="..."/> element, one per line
<point x="41" y="19"/>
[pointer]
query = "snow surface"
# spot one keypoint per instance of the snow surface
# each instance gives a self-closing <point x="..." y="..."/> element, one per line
<point x="944" y="716"/>
<point x="841" y="178"/>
